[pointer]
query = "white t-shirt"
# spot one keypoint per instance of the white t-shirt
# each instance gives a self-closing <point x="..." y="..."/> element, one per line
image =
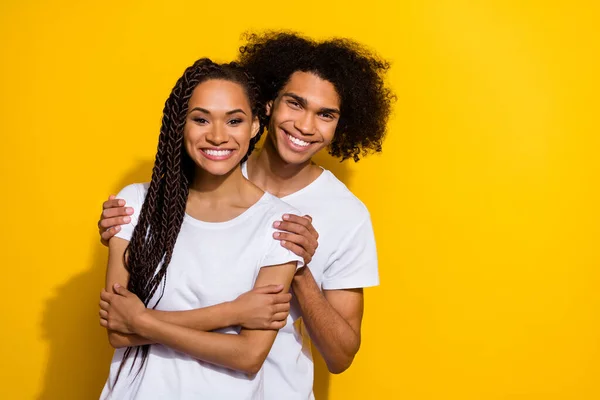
<point x="212" y="263"/>
<point x="345" y="259"/>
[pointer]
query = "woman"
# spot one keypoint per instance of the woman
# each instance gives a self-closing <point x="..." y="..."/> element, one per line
<point x="203" y="237"/>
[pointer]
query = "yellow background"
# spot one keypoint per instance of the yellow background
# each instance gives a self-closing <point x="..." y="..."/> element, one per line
<point x="484" y="202"/>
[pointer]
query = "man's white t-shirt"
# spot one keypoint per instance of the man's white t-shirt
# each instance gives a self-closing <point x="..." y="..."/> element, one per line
<point x="212" y="263"/>
<point x="345" y="259"/>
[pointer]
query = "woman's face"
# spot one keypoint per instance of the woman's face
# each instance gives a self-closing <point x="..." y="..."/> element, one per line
<point x="219" y="126"/>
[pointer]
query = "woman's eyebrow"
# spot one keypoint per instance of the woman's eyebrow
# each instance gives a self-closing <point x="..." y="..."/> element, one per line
<point x="204" y="110"/>
<point x="237" y="110"/>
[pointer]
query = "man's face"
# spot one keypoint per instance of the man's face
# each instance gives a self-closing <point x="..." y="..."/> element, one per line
<point x="304" y="117"/>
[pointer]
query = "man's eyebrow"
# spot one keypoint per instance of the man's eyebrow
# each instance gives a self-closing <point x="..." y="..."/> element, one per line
<point x="204" y="110"/>
<point x="330" y="110"/>
<point x="303" y="102"/>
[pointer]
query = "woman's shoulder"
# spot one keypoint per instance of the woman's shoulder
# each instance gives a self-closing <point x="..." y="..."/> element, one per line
<point x="134" y="194"/>
<point x="278" y="206"/>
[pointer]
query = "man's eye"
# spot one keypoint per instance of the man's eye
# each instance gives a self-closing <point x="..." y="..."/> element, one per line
<point x="327" y="115"/>
<point x="294" y="104"/>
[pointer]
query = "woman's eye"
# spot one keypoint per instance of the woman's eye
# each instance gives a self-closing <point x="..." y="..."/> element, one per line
<point x="235" y="121"/>
<point x="200" y="120"/>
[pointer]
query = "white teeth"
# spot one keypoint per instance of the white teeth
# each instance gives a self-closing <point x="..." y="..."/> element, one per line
<point x="218" y="153"/>
<point x="297" y="141"/>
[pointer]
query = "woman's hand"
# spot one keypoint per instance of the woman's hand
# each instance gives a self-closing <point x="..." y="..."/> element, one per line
<point x="120" y="311"/>
<point x="298" y="236"/>
<point x="265" y="307"/>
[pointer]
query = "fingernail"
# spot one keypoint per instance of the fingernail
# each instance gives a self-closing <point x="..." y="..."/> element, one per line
<point x="129" y="210"/>
<point x="117" y="286"/>
<point x="276" y="234"/>
<point x="126" y="220"/>
<point x="117" y="228"/>
<point x="276" y="224"/>
<point x="286" y="216"/>
<point x="121" y="203"/>
<point x="283" y="242"/>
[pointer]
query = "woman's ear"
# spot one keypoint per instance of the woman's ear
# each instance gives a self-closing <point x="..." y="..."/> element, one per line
<point x="255" y="126"/>
<point x="268" y="107"/>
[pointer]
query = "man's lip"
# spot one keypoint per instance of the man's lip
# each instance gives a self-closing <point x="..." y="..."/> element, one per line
<point x="299" y="138"/>
<point x="294" y="146"/>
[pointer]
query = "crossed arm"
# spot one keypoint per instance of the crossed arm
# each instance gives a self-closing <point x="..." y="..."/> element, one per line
<point x="244" y="352"/>
<point x="333" y="317"/>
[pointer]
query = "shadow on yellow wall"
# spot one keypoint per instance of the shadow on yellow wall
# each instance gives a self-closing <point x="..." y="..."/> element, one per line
<point x="79" y="354"/>
<point x="79" y="351"/>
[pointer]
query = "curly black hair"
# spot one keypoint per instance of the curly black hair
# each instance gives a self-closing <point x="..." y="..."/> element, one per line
<point x="356" y="73"/>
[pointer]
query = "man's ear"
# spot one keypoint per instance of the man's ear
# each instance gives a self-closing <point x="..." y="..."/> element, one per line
<point x="268" y="107"/>
<point x="255" y="127"/>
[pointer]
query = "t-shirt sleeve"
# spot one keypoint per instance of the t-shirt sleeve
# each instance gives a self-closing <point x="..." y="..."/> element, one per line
<point x="133" y="196"/>
<point x="276" y="254"/>
<point x="354" y="263"/>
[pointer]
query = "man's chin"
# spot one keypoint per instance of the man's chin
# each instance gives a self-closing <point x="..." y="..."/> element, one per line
<point x="295" y="158"/>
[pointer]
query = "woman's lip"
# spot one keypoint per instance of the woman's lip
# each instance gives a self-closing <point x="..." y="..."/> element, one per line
<point x="217" y="154"/>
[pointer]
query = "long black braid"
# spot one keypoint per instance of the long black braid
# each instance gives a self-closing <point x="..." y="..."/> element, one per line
<point x="150" y="250"/>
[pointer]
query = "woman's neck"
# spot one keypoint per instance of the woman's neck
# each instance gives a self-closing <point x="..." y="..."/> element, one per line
<point x="220" y="198"/>
<point x="221" y="188"/>
<point x="268" y="171"/>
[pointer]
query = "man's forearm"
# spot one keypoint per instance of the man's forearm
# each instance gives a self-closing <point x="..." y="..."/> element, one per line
<point x="333" y="336"/>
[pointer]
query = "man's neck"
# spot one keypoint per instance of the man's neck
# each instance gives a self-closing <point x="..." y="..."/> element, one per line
<point x="268" y="171"/>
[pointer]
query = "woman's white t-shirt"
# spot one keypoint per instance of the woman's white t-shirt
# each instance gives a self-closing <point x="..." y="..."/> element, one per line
<point x="212" y="263"/>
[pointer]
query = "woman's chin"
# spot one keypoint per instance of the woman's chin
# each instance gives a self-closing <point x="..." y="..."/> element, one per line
<point x="218" y="168"/>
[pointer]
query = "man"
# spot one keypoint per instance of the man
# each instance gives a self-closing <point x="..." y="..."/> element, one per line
<point x="318" y="95"/>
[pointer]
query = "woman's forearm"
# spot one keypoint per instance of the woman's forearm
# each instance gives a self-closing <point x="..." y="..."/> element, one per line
<point x="201" y="319"/>
<point x="118" y="340"/>
<point x="238" y="352"/>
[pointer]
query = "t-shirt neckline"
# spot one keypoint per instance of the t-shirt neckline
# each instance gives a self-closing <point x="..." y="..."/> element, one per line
<point x="297" y="192"/>
<point x="234" y="221"/>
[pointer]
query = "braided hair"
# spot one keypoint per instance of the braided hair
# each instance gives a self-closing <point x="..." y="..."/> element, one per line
<point x="149" y="252"/>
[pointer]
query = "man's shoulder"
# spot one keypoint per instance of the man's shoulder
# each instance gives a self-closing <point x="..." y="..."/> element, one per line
<point x="340" y="199"/>
<point x="335" y="210"/>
